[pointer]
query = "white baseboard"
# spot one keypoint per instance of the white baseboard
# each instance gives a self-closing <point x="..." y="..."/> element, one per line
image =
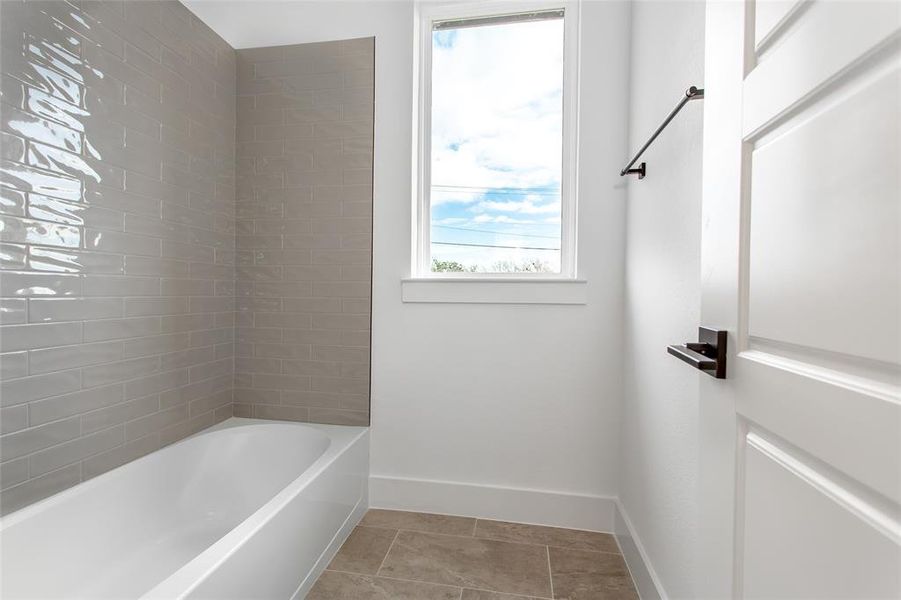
<point x="643" y="574"/>
<point x="538" y="507"/>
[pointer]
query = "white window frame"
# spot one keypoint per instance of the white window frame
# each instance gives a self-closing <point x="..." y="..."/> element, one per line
<point x="429" y="13"/>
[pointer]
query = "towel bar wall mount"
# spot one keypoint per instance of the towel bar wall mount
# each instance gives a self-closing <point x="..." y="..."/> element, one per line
<point x="692" y="93"/>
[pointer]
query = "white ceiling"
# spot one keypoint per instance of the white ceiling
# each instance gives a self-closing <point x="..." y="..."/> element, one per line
<point x="258" y="23"/>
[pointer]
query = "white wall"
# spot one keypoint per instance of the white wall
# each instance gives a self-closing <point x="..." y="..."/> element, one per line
<point x="505" y="395"/>
<point x="658" y="475"/>
<point x="492" y="395"/>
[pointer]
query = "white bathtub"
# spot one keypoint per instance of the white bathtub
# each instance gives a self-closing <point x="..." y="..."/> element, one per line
<point x="247" y="509"/>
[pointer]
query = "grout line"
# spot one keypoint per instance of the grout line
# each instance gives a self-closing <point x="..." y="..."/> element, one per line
<point x="379" y="527"/>
<point x="514" y="595"/>
<point x="550" y="545"/>
<point x="384" y="558"/>
<point x="492" y="539"/>
<point x="550" y="573"/>
<point x="461" y="588"/>
<point x="475" y="527"/>
<point x="392" y="578"/>
<point x="540" y="526"/>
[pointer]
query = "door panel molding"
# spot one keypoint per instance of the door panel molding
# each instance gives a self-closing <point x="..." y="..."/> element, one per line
<point x="868" y="506"/>
<point x="883" y="59"/>
<point x="773" y="21"/>
<point x="864" y="376"/>
<point x="802" y="64"/>
<point x="857" y="433"/>
<point x="832" y="536"/>
<point x="823" y="233"/>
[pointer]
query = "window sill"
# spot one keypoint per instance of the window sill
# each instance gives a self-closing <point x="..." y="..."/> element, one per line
<point x="494" y="291"/>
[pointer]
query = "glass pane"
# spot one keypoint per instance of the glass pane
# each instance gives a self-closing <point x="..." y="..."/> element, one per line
<point x="497" y="147"/>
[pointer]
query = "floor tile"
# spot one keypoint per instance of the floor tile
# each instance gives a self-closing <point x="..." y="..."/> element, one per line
<point x="364" y="550"/>
<point x="333" y="585"/>
<point x="398" y="519"/>
<point x="547" y="536"/>
<point x="469" y="562"/>
<point x="470" y="594"/>
<point x="582" y="575"/>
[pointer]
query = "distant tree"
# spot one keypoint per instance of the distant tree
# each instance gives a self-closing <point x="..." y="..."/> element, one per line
<point x="530" y="265"/>
<point x="449" y="266"/>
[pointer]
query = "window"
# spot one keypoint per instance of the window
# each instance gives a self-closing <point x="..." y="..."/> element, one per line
<point x="497" y="141"/>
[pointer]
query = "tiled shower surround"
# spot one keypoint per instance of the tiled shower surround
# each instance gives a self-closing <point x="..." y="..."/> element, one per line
<point x="117" y="237"/>
<point x="119" y="292"/>
<point x="304" y="221"/>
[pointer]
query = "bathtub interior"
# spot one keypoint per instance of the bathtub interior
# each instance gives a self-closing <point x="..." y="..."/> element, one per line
<point x="122" y="533"/>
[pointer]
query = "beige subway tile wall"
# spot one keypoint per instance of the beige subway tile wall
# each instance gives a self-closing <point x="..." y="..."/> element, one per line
<point x="304" y="231"/>
<point x="117" y="237"/>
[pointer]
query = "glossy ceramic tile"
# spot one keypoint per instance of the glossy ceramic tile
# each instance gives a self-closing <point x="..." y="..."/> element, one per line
<point x="117" y="211"/>
<point x="393" y="554"/>
<point x="304" y="229"/>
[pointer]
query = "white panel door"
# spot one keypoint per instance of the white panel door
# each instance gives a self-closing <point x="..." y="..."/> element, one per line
<point x="801" y="257"/>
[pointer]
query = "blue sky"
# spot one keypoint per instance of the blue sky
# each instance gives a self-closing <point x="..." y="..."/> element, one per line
<point x="497" y="142"/>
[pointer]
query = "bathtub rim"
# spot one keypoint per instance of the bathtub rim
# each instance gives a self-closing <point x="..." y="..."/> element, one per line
<point x="190" y="575"/>
<point x="11" y="519"/>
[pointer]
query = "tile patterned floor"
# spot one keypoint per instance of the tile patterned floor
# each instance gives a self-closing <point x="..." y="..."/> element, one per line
<point x="395" y="555"/>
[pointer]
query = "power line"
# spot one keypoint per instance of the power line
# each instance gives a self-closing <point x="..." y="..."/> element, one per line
<point x="479" y="187"/>
<point x="496" y="192"/>
<point x="534" y="235"/>
<point x="493" y="246"/>
<point x="448" y="189"/>
<point x="505" y="187"/>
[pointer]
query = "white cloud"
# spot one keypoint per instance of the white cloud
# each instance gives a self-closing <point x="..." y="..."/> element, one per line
<point x="497" y="102"/>
<point x="497" y="125"/>
<point x="525" y="206"/>
<point x="504" y="219"/>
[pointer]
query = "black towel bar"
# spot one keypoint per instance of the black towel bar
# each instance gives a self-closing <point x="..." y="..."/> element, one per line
<point x="691" y="93"/>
